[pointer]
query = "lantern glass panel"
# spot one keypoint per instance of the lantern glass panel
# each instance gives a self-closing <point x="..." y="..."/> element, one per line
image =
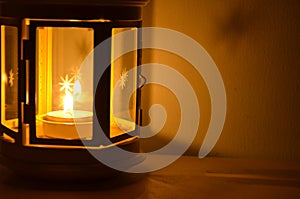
<point x="123" y="82"/>
<point x="64" y="90"/>
<point x="9" y="77"/>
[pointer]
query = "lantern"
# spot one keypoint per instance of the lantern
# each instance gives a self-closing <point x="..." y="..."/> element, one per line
<point x="46" y="94"/>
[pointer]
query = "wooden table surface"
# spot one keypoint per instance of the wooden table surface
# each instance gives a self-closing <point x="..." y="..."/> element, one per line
<point x="188" y="177"/>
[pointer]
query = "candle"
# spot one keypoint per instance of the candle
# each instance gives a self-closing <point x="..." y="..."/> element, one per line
<point x="74" y="116"/>
<point x="57" y="124"/>
<point x="68" y="123"/>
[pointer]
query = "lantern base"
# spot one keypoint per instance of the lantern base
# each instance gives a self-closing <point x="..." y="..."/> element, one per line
<point x="71" y="165"/>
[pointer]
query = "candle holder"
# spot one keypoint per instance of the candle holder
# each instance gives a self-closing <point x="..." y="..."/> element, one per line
<point x="50" y="104"/>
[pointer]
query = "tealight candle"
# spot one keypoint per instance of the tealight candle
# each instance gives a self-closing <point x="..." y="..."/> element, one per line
<point x="68" y="123"/>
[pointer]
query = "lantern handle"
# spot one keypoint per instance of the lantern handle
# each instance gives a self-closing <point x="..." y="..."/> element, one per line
<point x="142" y="81"/>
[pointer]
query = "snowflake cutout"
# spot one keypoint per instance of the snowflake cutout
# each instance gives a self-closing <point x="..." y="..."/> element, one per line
<point x="123" y="78"/>
<point x="11" y="78"/>
<point x="66" y="84"/>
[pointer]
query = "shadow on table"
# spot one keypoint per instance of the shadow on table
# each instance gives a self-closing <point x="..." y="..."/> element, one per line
<point x="123" y="185"/>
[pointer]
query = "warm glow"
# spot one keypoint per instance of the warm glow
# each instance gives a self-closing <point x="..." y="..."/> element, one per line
<point x="65" y="102"/>
<point x="68" y="104"/>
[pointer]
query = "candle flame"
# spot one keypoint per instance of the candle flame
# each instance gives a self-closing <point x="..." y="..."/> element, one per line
<point x="68" y="104"/>
<point x="66" y="85"/>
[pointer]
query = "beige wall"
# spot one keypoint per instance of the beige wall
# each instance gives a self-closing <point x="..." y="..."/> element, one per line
<point x="255" y="45"/>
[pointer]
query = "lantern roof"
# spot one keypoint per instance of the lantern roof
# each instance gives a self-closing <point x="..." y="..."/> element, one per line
<point x="81" y="2"/>
<point x="74" y="9"/>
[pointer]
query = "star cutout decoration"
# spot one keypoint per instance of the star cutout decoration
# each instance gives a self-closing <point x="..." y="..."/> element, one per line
<point x="123" y="78"/>
<point x="66" y="84"/>
<point x="11" y="78"/>
<point x="76" y="73"/>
